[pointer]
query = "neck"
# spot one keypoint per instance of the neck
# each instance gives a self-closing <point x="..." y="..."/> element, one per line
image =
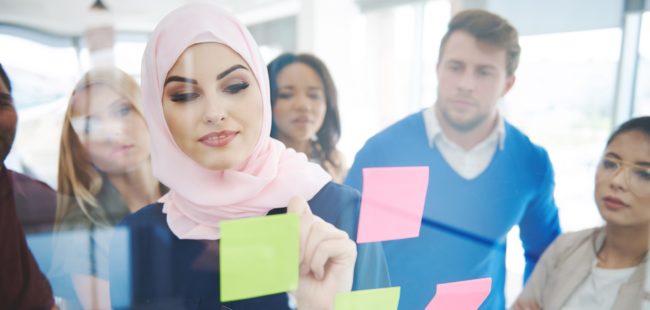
<point x="624" y="246"/>
<point x="138" y="188"/>
<point x="303" y="146"/>
<point x="470" y="138"/>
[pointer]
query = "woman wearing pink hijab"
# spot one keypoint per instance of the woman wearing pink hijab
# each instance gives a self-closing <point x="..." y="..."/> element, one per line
<point x="207" y="103"/>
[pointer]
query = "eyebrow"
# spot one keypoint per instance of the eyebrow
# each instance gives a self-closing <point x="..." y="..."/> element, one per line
<point x="230" y="70"/>
<point x="175" y="78"/>
<point x="638" y="163"/>
<point x="291" y="87"/>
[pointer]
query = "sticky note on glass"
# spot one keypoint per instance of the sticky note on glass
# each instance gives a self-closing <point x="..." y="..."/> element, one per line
<point x="392" y="203"/>
<point x="258" y="256"/>
<point x="463" y="295"/>
<point x="376" y="299"/>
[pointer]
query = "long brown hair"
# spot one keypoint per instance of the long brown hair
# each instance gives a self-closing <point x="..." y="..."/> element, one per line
<point x="79" y="181"/>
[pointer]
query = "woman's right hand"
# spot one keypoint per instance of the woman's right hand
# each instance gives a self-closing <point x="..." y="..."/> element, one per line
<point x="327" y="258"/>
<point x="526" y="304"/>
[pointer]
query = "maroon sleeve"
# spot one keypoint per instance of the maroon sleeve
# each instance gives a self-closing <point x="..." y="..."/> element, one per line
<point x="22" y="285"/>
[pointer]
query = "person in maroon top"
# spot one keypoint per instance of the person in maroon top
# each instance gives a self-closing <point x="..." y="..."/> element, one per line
<point x="22" y="284"/>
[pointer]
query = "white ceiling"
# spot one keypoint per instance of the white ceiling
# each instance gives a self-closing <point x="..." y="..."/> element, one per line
<point x="70" y="17"/>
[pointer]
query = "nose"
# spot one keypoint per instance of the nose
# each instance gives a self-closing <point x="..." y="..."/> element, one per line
<point x="215" y="110"/>
<point x="302" y="102"/>
<point x="619" y="178"/>
<point x="113" y="130"/>
<point x="467" y="81"/>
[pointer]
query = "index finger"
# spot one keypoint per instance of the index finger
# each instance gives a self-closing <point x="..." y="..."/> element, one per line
<point x="299" y="206"/>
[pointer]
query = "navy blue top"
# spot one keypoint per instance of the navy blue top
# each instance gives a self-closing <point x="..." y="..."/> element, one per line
<point x="465" y="222"/>
<point x="150" y="268"/>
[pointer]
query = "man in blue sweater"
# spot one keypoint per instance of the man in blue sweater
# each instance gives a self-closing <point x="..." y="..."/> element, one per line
<point x="485" y="175"/>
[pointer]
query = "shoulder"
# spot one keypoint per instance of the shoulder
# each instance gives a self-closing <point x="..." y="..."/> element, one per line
<point x="576" y="237"/>
<point x="401" y="129"/>
<point x="148" y="215"/>
<point x="530" y="157"/>
<point x="28" y="185"/>
<point x="521" y="143"/>
<point x="568" y="243"/>
<point x="335" y="193"/>
<point x="333" y="200"/>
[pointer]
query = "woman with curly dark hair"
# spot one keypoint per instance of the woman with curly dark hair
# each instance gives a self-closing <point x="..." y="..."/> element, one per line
<point x="305" y="110"/>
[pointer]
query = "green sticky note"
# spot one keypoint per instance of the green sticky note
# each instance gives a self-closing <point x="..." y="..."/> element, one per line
<point x="376" y="299"/>
<point x="259" y="256"/>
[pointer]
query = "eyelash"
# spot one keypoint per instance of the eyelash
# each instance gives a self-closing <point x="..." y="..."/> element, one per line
<point x="287" y="96"/>
<point x="235" y="88"/>
<point x="231" y="89"/>
<point x="184" y="97"/>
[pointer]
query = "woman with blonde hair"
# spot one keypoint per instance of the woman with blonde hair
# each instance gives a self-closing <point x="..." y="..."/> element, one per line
<point x="104" y="175"/>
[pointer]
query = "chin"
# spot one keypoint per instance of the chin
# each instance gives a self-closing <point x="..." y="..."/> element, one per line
<point x="217" y="166"/>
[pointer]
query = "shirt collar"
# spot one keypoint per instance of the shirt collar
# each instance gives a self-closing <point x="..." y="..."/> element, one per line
<point x="435" y="132"/>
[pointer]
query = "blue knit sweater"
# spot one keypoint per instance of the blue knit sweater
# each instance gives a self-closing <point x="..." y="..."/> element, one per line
<point x="465" y="222"/>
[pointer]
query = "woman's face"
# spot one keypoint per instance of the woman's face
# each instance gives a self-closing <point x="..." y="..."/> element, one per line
<point x="213" y="106"/>
<point x="623" y="181"/>
<point x="111" y="131"/>
<point x="299" y="110"/>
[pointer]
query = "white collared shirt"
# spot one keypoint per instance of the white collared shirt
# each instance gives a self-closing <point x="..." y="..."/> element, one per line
<point x="468" y="164"/>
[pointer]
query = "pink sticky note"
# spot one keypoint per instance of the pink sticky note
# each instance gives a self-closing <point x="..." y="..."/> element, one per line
<point x="463" y="295"/>
<point x="392" y="203"/>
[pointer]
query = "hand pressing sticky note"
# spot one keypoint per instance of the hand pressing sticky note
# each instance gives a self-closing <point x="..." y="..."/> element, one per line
<point x="376" y="299"/>
<point x="392" y="203"/>
<point x="463" y="295"/>
<point x="258" y="256"/>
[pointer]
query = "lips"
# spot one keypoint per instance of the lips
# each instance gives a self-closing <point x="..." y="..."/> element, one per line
<point x="613" y="203"/>
<point x="462" y="102"/>
<point x="218" y="138"/>
<point x="122" y="149"/>
<point x="301" y="120"/>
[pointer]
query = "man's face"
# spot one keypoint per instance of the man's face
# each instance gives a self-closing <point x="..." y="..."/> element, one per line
<point x="472" y="77"/>
<point x="7" y="121"/>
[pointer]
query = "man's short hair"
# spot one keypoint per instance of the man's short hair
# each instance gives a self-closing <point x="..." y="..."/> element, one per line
<point x="488" y="28"/>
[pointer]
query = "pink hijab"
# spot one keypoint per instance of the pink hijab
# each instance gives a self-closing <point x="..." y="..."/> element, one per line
<point x="199" y="198"/>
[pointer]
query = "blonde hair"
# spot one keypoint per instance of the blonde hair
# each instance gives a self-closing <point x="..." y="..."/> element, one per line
<point x="79" y="181"/>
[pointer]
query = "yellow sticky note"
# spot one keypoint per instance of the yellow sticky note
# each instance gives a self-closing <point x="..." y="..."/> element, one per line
<point x="376" y="299"/>
<point x="259" y="256"/>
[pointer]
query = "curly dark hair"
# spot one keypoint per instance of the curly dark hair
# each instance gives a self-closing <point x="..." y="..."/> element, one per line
<point x="5" y="78"/>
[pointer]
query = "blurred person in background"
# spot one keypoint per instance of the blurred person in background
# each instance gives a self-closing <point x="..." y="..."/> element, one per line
<point x="305" y="110"/>
<point x="22" y="284"/>
<point x="604" y="267"/>
<point x="486" y="176"/>
<point x="104" y="175"/>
